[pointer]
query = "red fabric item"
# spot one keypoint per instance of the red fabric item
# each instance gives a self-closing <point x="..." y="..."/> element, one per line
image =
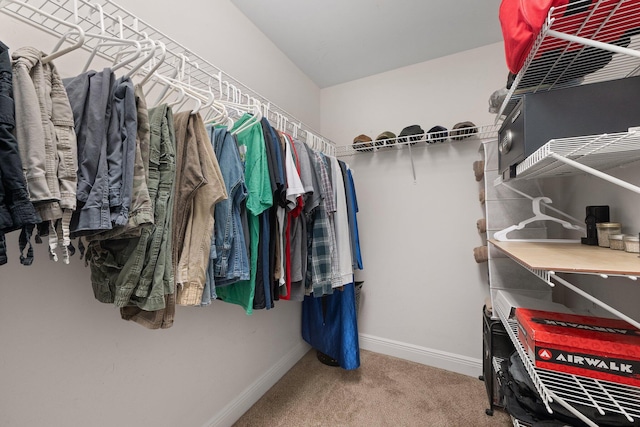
<point x="287" y="232"/>
<point x="522" y="20"/>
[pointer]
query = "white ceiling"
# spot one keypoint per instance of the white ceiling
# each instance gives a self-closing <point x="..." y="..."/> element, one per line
<point x="335" y="41"/>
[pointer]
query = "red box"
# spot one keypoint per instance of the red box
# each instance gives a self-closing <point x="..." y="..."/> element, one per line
<point x="595" y="347"/>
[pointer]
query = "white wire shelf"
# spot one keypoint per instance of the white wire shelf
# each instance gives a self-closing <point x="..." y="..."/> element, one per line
<point x="567" y="389"/>
<point x="453" y="136"/>
<point x="583" y="154"/>
<point x="120" y="23"/>
<point x="512" y="330"/>
<point x="569" y="46"/>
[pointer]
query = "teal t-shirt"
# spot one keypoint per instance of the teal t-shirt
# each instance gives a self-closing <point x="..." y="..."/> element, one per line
<point x="256" y="174"/>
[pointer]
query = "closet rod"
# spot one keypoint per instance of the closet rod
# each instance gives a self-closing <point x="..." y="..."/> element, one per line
<point x="119" y="22"/>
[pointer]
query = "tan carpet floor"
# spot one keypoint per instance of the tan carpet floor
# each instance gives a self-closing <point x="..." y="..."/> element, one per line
<point x="384" y="391"/>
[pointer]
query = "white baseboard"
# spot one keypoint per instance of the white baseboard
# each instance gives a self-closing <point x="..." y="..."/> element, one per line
<point x="437" y="358"/>
<point x="238" y="406"/>
<point x="426" y="356"/>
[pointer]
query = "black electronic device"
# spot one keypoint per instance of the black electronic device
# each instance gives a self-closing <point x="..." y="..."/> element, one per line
<point x="495" y="343"/>
<point x="590" y="109"/>
<point x="595" y="214"/>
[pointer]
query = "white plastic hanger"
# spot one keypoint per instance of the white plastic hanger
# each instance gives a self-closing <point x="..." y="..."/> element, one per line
<point x="156" y="62"/>
<point x="179" y="62"/>
<point x="217" y="113"/>
<point x="74" y="29"/>
<point x="255" y="119"/>
<point x="149" y="51"/>
<point x="185" y="93"/>
<point x="296" y="128"/>
<point x="108" y="41"/>
<point x="538" y="216"/>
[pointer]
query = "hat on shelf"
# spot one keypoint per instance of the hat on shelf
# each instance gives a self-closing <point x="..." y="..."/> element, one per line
<point x="362" y="143"/>
<point x="437" y="134"/>
<point x="408" y="132"/>
<point x="385" y="138"/>
<point x="463" y="130"/>
<point x="496" y="99"/>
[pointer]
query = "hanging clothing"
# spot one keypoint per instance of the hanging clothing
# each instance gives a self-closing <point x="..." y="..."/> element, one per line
<point x="341" y="224"/>
<point x="90" y="98"/>
<point x="320" y="234"/>
<point x="47" y="143"/>
<point x="16" y="210"/>
<point x="116" y="256"/>
<point x="331" y="206"/>
<point x="152" y="304"/>
<point x="140" y="212"/>
<point x="199" y="186"/>
<point x="352" y="209"/>
<point x="301" y="233"/>
<point x="252" y="150"/>
<point x="266" y="287"/>
<point x="229" y="260"/>
<point x="295" y="191"/>
<point x="121" y="149"/>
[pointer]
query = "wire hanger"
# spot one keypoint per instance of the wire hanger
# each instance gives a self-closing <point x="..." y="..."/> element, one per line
<point x="538" y="216"/>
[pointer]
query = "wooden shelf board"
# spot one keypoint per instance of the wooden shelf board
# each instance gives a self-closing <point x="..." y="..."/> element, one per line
<point x="571" y="257"/>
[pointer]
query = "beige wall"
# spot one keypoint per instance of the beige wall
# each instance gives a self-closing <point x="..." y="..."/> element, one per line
<point x="423" y="291"/>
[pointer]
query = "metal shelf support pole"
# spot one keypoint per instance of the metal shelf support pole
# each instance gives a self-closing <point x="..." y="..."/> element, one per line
<point x="595" y="300"/>
<point x="597" y="173"/>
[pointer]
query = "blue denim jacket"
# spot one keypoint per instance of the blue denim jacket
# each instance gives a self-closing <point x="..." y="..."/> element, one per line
<point x="229" y="261"/>
<point x="90" y="96"/>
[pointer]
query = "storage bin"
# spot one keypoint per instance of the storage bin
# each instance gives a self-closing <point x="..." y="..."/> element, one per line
<point x="631" y="244"/>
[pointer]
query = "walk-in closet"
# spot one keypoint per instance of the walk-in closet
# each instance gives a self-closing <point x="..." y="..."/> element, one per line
<point x="297" y="213"/>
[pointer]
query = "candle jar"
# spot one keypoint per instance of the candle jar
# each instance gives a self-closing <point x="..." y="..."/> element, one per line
<point x="632" y="244"/>
<point x="605" y="229"/>
<point x="616" y="242"/>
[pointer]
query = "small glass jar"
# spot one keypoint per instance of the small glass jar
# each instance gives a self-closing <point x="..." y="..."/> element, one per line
<point x="605" y="229"/>
<point x="632" y="244"/>
<point x="616" y="242"/>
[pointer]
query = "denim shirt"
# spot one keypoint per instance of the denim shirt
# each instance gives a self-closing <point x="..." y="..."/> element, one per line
<point x="16" y="210"/>
<point x="229" y="260"/>
<point x="90" y="95"/>
<point x="121" y="149"/>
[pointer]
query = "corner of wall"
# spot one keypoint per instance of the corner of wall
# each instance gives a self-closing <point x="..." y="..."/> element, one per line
<point x="238" y="406"/>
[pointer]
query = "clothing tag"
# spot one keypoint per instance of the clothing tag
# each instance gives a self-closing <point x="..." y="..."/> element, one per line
<point x="243" y="152"/>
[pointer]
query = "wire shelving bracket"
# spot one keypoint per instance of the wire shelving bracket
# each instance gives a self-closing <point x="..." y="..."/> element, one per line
<point x="115" y="21"/>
